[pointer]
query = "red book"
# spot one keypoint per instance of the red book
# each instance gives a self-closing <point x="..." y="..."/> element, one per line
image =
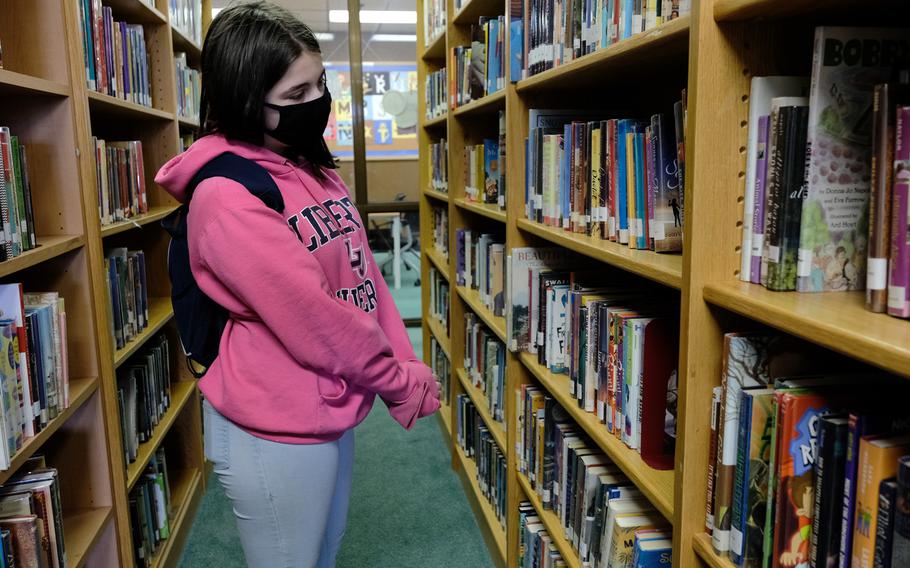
<point x="658" y="393"/>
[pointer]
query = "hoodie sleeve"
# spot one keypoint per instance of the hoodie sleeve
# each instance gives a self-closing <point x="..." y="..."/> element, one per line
<point x="249" y="256"/>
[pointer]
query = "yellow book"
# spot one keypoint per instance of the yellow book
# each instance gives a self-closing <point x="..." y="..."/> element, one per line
<point x="595" y="213"/>
<point x="627" y="524"/>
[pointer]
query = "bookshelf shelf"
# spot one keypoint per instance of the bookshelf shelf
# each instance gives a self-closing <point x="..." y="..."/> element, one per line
<point x="182" y="42"/>
<point x="740" y="10"/>
<point x="160" y="312"/>
<point x="187" y="123"/>
<point x="551" y="523"/>
<point x="185" y="496"/>
<point x="440" y="334"/>
<point x="48" y="247"/>
<point x="12" y="83"/>
<point x="469" y="471"/>
<point x="480" y="401"/>
<point x="656" y="485"/>
<point x="473" y="9"/>
<point x="439" y="261"/>
<point x="445" y="416"/>
<point x="181" y="392"/>
<point x="488" y="210"/>
<point x="836" y="320"/>
<point x="437" y="195"/>
<point x="663" y="268"/>
<point x="80" y="391"/>
<point x="154" y="214"/>
<point x="489" y="104"/>
<point x="702" y="545"/>
<point x="435" y="122"/>
<point x="114" y="108"/>
<point x="495" y="323"/>
<point x="82" y="528"/>
<point x="660" y="43"/>
<point x="135" y="11"/>
<point x="436" y="49"/>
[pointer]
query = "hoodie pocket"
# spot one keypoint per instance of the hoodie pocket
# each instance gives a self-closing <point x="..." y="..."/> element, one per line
<point x="333" y="391"/>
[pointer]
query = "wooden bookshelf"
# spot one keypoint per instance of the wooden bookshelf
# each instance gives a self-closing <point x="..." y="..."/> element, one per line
<point x="154" y="215"/>
<point x="435" y="122"/>
<point x="160" y="312"/>
<point x="181" y="393"/>
<point x="440" y="334"/>
<point x="663" y="268"/>
<point x="187" y="123"/>
<point x="19" y="83"/>
<point x="551" y="523"/>
<point x="438" y="195"/>
<point x="114" y="108"/>
<point x="491" y="522"/>
<point x="82" y="528"/>
<point x="713" y="54"/>
<point x="483" y="408"/>
<point x="436" y="49"/>
<point x="439" y="261"/>
<point x="186" y="494"/>
<point x="488" y="210"/>
<point x="495" y="323"/>
<point x="445" y="417"/>
<point x="182" y="42"/>
<point x="658" y="486"/>
<point x="137" y="11"/>
<point x="49" y="247"/>
<point x="485" y="105"/>
<point x="702" y="545"/>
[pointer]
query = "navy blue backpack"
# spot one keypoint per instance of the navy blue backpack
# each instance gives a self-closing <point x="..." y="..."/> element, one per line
<point x="200" y="320"/>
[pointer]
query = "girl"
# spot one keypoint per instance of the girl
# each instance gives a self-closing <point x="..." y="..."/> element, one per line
<point x="313" y="333"/>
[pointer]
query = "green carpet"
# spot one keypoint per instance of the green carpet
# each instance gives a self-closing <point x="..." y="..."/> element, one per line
<point x="408" y="508"/>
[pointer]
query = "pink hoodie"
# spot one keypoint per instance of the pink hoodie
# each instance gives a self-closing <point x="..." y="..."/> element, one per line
<point x="314" y="334"/>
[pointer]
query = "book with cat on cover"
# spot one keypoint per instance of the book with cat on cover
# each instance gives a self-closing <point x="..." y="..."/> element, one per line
<point x="846" y="64"/>
<point x="877" y="461"/>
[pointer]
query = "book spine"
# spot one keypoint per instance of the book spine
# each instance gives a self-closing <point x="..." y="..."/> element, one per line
<point x="854" y="433"/>
<point x="880" y="201"/>
<point x="716" y="394"/>
<point x="773" y="196"/>
<point x="884" y="526"/>
<point x="758" y="207"/>
<point x="899" y="271"/>
<point x="740" y="506"/>
<point x="900" y="553"/>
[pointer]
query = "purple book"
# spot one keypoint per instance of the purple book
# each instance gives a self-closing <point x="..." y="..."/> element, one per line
<point x="125" y="60"/>
<point x="758" y="208"/>
<point x="459" y="257"/>
<point x="899" y="272"/>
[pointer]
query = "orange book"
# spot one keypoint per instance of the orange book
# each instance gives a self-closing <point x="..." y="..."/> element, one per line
<point x="878" y="457"/>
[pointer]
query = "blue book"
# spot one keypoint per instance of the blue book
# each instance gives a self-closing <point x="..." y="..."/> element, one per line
<point x="493" y="57"/>
<point x="653" y="553"/>
<point x="490" y="170"/>
<point x="516" y="40"/>
<point x="622" y="214"/>
<point x="641" y="207"/>
<point x="628" y="8"/>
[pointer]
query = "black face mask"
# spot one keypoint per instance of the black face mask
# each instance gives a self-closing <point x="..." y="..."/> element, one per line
<point x="302" y="125"/>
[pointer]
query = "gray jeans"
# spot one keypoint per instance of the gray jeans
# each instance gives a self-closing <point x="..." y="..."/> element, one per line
<point x="290" y="500"/>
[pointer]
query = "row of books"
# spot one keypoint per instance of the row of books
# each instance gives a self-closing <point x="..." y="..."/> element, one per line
<point x="16" y="211"/>
<point x="186" y="16"/>
<point x="599" y="509"/>
<point x="439" y="298"/>
<point x="799" y="449"/>
<point x="616" y="179"/>
<point x="617" y="345"/>
<point x="120" y="180"/>
<point x="485" y="364"/>
<point x="437" y="93"/>
<point x="115" y="53"/>
<point x="434" y="20"/>
<point x="143" y="394"/>
<point x="150" y="510"/>
<point x="544" y="34"/>
<point x="442" y="368"/>
<point x="34" y="374"/>
<point x="189" y="87"/>
<point x="535" y="545"/>
<point x="485" y="168"/>
<point x="480" y="265"/>
<point x="125" y="271"/>
<point x="441" y="230"/>
<point x="813" y="164"/>
<point x="478" y="444"/>
<point x="439" y="165"/>
<point x="31" y="517"/>
<point x="479" y="69"/>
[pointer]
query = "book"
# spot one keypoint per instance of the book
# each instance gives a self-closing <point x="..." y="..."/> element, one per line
<point x="884" y="525"/>
<point x="518" y="309"/>
<point x="761" y="91"/>
<point x="877" y="461"/>
<point x="900" y="555"/>
<point x="899" y="267"/>
<point x="830" y="466"/>
<point x="658" y="393"/>
<point x="879" y="242"/>
<point x="24" y="542"/>
<point x="832" y="232"/>
<point x="716" y="401"/>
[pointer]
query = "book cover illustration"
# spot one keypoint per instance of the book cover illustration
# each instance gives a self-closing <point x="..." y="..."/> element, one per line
<point x="847" y="63"/>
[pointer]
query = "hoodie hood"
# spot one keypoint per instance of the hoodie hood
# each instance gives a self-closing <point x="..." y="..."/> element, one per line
<point x="180" y="170"/>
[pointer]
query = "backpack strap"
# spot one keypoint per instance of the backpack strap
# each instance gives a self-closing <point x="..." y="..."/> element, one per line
<point x="246" y="172"/>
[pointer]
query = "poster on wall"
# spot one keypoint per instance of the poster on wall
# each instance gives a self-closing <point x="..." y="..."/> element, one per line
<point x="389" y="110"/>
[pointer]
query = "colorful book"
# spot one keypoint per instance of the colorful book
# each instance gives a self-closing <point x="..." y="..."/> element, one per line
<point x="899" y="268"/>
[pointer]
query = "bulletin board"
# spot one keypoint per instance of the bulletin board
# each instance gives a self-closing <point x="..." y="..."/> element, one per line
<point x="390" y="111"/>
